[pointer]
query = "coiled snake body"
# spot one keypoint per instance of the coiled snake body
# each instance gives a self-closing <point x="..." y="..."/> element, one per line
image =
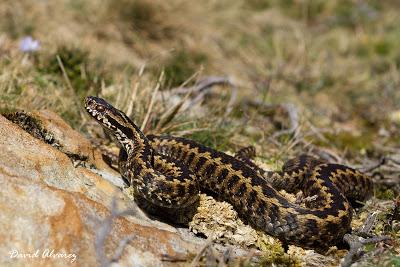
<point x="168" y="172"/>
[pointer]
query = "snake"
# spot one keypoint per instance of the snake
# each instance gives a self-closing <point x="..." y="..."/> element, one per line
<point x="167" y="174"/>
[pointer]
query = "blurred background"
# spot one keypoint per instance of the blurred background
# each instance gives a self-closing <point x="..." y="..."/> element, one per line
<point x="286" y="76"/>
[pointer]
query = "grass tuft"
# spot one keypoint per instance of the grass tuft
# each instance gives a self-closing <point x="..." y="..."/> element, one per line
<point x="83" y="77"/>
<point x="182" y="65"/>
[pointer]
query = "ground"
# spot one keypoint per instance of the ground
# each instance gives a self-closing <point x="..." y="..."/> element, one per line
<point x="298" y="76"/>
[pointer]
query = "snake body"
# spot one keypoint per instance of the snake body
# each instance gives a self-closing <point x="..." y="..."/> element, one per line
<point x="168" y="172"/>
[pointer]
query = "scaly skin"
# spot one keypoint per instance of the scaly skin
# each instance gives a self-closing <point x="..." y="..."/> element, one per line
<point x="166" y="173"/>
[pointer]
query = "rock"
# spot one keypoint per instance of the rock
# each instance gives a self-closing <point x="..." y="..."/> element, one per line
<point x="70" y="141"/>
<point x="67" y="223"/>
<point x="52" y="129"/>
<point x="56" y="194"/>
<point x="52" y="211"/>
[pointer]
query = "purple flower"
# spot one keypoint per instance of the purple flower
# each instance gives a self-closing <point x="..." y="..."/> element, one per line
<point x="28" y="45"/>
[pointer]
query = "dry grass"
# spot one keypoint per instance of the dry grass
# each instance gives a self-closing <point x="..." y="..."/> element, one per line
<point x="337" y="62"/>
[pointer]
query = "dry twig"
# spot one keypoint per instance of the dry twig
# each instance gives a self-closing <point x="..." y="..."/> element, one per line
<point x="357" y="242"/>
<point x="291" y="110"/>
<point x="196" y="259"/>
<point x="201" y="89"/>
<point x="153" y="98"/>
<point x="104" y="231"/>
<point x="382" y="161"/>
<point x="203" y="84"/>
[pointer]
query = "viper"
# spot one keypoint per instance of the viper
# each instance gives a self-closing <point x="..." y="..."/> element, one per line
<point x="167" y="173"/>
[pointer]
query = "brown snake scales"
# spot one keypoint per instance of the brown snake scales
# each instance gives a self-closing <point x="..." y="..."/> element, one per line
<point x="168" y="172"/>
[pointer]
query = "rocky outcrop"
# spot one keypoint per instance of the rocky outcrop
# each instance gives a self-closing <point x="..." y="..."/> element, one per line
<point x="55" y="211"/>
<point x="61" y="204"/>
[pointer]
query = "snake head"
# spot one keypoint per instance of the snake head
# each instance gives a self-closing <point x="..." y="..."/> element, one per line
<point x="103" y="112"/>
<point x="118" y="124"/>
<point x="97" y="106"/>
<point x="111" y="118"/>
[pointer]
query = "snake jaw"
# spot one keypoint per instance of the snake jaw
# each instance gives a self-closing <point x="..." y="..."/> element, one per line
<point x="118" y="124"/>
<point x="97" y="107"/>
<point x="100" y="110"/>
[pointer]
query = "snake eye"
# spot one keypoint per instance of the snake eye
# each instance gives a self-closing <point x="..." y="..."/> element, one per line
<point x="100" y="108"/>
